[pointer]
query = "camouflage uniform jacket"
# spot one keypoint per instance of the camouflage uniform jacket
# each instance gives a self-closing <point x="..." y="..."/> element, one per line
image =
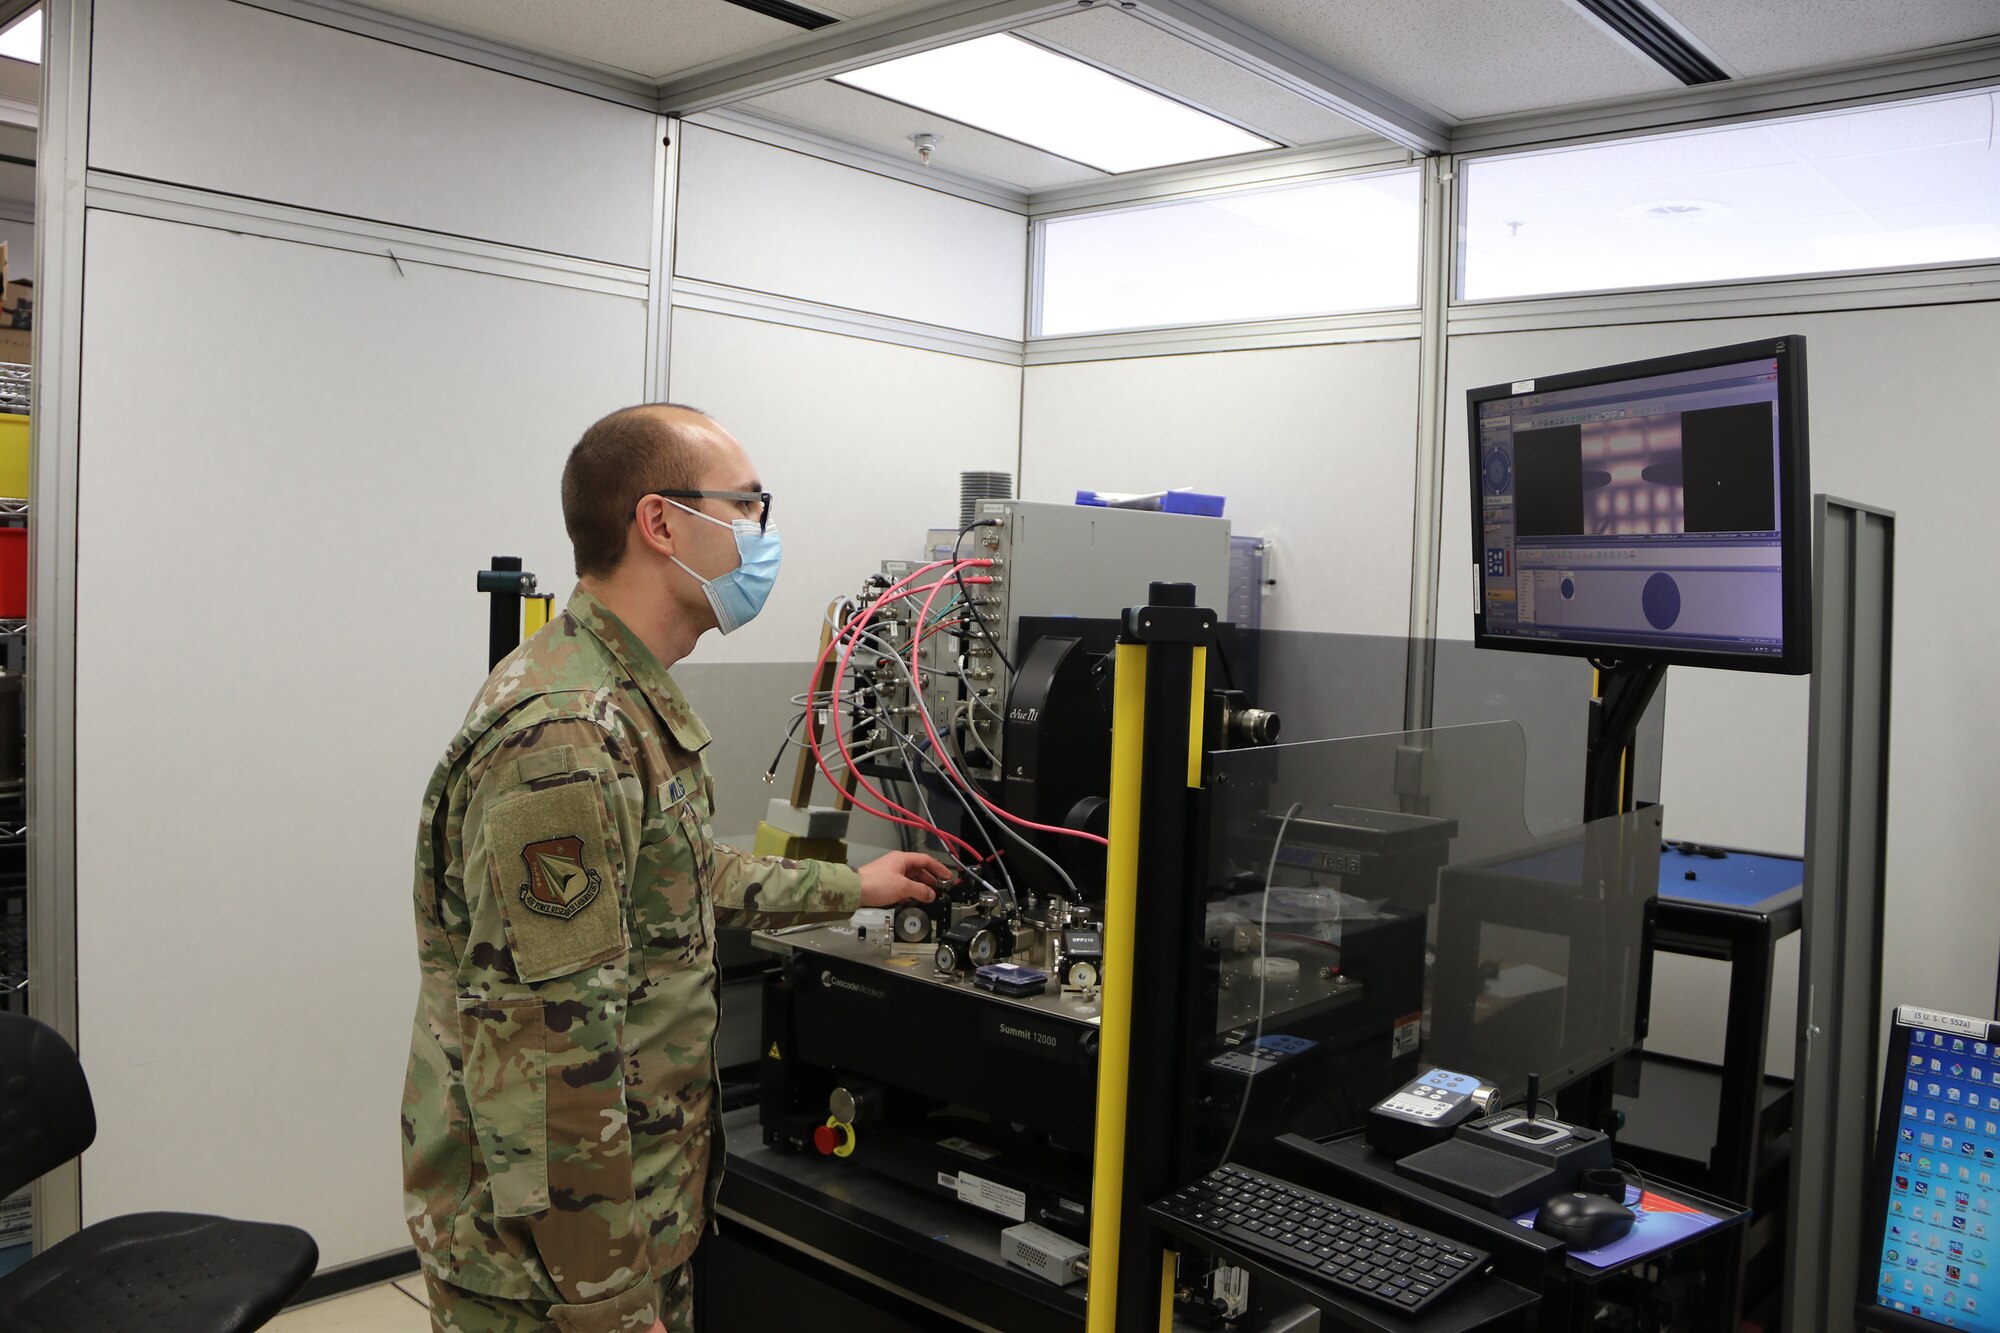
<point x="560" y="1136"/>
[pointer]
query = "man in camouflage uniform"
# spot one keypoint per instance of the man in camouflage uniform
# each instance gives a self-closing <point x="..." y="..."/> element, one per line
<point x="562" y="1145"/>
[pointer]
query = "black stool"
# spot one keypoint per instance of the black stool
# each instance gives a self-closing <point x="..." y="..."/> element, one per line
<point x="144" y="1272"/>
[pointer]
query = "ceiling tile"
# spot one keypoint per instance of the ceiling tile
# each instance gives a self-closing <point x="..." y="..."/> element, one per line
<point x="876" y="122"/>
<point x="650" y="38"/>
<point x="1138" y="51"/>
<point x="1775" y="36"/>
<point x="1466" y="58"/>
<point x="852" y="9"/>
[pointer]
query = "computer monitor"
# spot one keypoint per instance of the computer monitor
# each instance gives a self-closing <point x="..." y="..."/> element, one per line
<point x="1652" y="511"/>
<point x="1931" y="1233"/>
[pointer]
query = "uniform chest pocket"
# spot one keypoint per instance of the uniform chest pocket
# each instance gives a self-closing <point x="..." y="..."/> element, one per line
<point x="684" y="803"/>
<point x="679" y="867"/>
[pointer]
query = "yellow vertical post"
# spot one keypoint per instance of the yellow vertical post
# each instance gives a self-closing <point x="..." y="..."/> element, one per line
<point x="1114" y="1026"/>
<point x="535" y="613"/>
<point x="1624" y="755"/>
<point x="1197" y="697"/>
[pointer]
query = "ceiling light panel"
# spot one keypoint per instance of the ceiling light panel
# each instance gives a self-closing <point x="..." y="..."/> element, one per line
<point x="1110" y="38"/>
<point x="874" y="122"/>
<point x="1010" y="87"/>
<point x="23" y="41"/>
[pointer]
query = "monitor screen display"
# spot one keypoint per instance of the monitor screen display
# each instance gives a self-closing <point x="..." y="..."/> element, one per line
<point x="1932" y="1233"/>
<point x="1649" y="511"/>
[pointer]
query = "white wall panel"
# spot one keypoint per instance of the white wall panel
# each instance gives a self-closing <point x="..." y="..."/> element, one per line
<point x="1901" y="408"/>
<point x="775" y="220"/>
<point x="860" y="444"/>
<point x="1314" y="446"/>
<point x="225" y="97"/>
<point x="285" y="488"/>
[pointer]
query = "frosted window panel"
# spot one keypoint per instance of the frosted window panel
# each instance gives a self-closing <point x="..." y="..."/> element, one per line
<point x="23" y="39"/>
<point x="1332" y="246"/>
<point x="1905" y="185"/>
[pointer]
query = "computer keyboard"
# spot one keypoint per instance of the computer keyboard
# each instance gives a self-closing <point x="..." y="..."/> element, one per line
<point x="1324" y="1240"/>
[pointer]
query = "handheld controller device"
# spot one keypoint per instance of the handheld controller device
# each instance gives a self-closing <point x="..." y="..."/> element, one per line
<point x="1425" y="1112"/>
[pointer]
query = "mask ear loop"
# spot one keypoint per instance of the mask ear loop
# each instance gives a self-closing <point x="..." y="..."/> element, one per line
<point x="685" y="568"/>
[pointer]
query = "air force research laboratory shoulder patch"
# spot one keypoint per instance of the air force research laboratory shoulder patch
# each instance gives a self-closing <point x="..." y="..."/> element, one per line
<point x="552" y="869"/>
<point x="559" y="883"/>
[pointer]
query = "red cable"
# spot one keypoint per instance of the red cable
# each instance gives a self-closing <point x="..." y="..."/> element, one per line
<point x="819" y="759"/>
<point x="853" y="633"/>
<point x="812" y="739"/>
<point x="916" y="687"/>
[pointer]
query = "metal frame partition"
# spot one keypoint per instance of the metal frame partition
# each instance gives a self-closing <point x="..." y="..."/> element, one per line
<point x="1840" y="969"/>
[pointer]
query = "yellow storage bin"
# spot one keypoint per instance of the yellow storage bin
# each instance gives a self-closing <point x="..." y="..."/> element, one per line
<point x="13" y="456"/>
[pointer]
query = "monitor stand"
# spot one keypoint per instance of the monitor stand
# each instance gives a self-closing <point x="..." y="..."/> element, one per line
<point x="1624" y="690"/>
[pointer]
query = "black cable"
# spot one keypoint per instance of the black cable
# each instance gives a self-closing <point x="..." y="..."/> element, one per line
<point x="958" y="577"/>
<point x="1222" y="656"/>
<point x="911" y="747"/>
<point x="771" y="773"/>
<point x="1632" y="1171"/>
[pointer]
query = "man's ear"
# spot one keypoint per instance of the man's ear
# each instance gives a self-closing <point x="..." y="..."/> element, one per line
<point x="653" y="525"/>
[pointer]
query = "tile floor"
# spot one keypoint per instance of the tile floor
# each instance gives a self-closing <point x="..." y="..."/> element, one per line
<point x="393" y="1307"/>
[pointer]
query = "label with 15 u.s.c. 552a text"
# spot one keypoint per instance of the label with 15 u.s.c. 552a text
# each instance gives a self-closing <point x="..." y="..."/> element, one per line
<point x="1010" y="1204"/>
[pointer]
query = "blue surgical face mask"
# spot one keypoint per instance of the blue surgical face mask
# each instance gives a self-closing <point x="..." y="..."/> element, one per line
<point x="741" y="593"/>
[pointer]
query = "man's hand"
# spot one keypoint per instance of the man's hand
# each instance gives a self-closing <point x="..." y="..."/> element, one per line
<point x="901" y="877"/>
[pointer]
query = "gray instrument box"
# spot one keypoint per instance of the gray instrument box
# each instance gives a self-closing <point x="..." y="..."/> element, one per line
<point x="1054" y="1258"/>
<point x="1054" y="560"/>
<point x="1078" y="560"/>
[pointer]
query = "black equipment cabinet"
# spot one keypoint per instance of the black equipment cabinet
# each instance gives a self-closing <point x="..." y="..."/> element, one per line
<point x="810" y="1242"/>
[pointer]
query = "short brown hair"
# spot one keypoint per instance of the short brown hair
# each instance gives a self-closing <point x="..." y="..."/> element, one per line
<point x="620" y="460"/>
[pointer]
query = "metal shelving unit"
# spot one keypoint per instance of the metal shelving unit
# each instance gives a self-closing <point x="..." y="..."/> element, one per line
<point x="17" y="1211"/>
<point x="16" y="384"/>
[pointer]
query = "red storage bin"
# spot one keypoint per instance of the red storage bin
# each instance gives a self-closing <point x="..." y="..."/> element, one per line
<point x="13" y="573"/>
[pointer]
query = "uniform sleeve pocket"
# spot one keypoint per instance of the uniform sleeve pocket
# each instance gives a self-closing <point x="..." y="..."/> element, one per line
<point x="555" y="878"/>
<point x="506" y="1086"/>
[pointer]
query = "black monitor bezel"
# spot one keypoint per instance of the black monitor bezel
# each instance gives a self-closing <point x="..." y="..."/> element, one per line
<point x="1868" y="1312"/>
<point x="1794" y="499"/>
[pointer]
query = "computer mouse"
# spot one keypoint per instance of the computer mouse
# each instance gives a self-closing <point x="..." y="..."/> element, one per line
<point x="1584" y="1221"/>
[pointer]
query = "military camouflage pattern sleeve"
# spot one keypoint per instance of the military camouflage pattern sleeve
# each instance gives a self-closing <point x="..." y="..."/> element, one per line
<point x="550" y="840"/>
<point x="765" y="892"/>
